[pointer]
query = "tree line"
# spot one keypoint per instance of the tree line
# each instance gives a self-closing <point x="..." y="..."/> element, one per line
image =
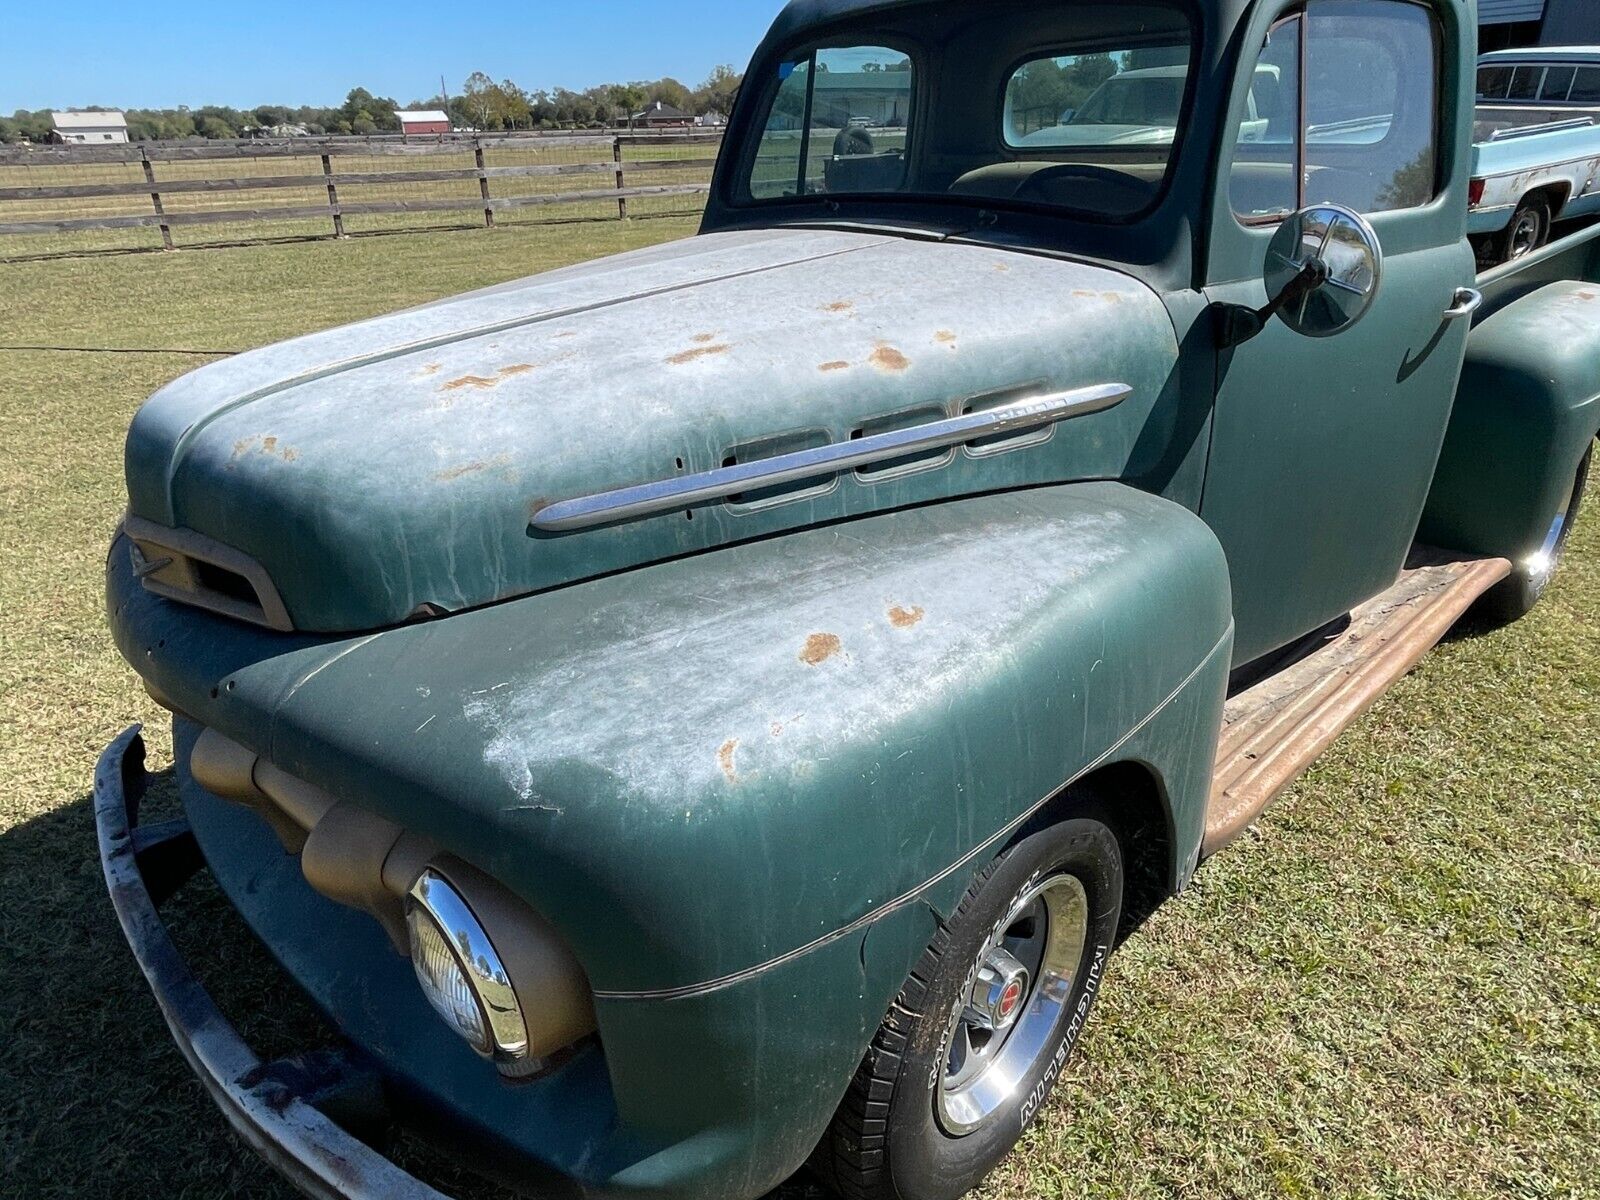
<point x="482" y="104"/>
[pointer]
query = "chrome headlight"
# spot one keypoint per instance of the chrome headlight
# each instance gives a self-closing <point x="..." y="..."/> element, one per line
<point x="462" y="975"/>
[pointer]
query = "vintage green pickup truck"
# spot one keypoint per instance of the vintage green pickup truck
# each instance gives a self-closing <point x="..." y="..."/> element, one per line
<point x="718" y="708"/>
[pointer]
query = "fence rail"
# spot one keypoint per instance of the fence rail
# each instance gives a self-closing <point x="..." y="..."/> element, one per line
<point x="79" y="190"/>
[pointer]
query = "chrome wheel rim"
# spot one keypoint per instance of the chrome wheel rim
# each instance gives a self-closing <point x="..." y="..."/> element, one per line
<point x="990" y="1046"/>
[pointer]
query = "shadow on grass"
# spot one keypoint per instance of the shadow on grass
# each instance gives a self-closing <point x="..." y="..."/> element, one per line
<point x="95" y="1098"/>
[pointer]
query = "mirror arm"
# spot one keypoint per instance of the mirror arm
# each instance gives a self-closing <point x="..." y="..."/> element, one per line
<point x="1238" y="323"/>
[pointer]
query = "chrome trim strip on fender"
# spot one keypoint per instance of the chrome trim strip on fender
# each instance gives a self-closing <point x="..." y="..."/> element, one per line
<point x="665" y="495"/>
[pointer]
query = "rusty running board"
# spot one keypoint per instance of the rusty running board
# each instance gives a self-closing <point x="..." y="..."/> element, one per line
<point x="1275" y="729"/>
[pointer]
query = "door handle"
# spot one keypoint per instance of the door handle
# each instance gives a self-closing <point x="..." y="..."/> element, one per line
<point x="1464" y="303"/>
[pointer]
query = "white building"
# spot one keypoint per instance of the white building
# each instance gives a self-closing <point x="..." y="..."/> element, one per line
<point x="89" y="128"/>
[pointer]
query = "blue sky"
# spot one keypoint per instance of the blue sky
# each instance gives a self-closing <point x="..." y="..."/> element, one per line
<point x="294" y="52"/>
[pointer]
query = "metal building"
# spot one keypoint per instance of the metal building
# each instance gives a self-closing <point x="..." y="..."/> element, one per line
<point x="88" y="128"/>
<point x="1507" y="23"/>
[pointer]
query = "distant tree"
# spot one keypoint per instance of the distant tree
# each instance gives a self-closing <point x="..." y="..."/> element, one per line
<point x="668" y="91"/>
<point x="718" y="92"/>
<point x="215" y="127"/>
<point x="514" y="111"/>
<point x="478" y="94"/>
<point x="34" y="126"/>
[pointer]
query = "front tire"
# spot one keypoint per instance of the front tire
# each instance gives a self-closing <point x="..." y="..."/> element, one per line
<point x="956" y="1073"/>
<point x="1514" y="597"/>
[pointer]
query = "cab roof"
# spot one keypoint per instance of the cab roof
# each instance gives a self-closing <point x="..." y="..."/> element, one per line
<point x="1542" y="54"/>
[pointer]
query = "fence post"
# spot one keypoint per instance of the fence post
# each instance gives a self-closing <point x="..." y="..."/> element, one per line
<point x="155" y="198"/>
<point x="616" y="157"/>
<point x="333" y="195"/>
<point x="483" y="183"/>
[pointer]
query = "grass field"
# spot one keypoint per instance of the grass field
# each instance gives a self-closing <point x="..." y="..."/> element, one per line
<point x="1392" y="989"/>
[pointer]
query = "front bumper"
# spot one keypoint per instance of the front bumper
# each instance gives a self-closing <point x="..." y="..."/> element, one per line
<point x="285" y="1109"/>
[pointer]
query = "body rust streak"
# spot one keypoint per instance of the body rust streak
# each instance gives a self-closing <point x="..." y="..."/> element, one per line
<point x="840" y="306"/>
<point x="904" y="617"/>
<point x="688" y="356"/>
<point x="487" y="381"/>
<point x="887" y="358"/>
<point x="725" y="759"/>
<point x="837" y="365"/>
<point x="472" y="468"/>
<point x="945" y="338"/>
<point x="819" y="648"/>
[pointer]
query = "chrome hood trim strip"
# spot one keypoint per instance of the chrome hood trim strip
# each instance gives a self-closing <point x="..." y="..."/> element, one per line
<point x="686" y="491"/>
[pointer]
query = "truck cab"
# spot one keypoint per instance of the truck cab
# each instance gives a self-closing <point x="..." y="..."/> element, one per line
<point x="719" y="708"/>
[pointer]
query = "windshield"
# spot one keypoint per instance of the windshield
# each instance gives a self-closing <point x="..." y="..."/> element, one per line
<point x="1087" y="122"/>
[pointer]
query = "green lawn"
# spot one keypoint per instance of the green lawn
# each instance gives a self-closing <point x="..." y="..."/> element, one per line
<point x="1392" y="989"/>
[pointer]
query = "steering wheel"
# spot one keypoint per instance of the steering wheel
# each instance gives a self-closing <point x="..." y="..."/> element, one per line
<point x="1136" y="191"/>
<point x="852" y="140"/>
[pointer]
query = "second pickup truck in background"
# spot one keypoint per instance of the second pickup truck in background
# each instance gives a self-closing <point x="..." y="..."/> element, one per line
<point x="1537" y="155"/>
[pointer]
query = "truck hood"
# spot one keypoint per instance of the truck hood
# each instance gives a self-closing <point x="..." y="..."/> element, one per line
<point x="391" y="468"/>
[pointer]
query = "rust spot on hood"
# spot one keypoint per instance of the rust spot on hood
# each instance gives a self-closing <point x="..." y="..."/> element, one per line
<point x="483" y="382"/>
<point x="701" y="339"/>
<point x="725" y="759"/>
<point x="905" y="617"/>
<point x="264" y="444"/>
<point x="429" y="368"/>
<point x="840" y="306"/>
<point x="836" y="365"/>
<point x="945" y="338"/>
<point x="887" y="358"/>
<point x="688" y="356"/>
<point x="819" y="648"/>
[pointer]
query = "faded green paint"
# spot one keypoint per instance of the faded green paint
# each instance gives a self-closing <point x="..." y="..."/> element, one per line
<point x="1526" y="414"/>
<point x="742" y="762"/>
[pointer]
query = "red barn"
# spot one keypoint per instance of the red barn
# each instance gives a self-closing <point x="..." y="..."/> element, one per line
<point x="415" y="122"/>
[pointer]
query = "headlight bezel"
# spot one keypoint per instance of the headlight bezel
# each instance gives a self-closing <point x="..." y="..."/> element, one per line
<point x="433" y="898"/>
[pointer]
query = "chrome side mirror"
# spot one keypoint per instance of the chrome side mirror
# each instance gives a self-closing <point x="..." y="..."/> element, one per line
<point x="1323" y="269"/>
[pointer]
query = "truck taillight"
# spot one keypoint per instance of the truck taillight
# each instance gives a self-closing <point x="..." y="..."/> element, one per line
<point x="1475" y="193"/>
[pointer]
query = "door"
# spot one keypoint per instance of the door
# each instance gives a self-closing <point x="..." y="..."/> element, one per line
<point x="1323" y="448"/>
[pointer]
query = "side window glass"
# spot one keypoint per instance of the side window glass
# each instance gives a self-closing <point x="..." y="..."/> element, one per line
<point x="1364" y="76"/>
<point x="1525" y="83"/>
<point x="1493" y="82"/>
<point x="1557" y="83"/>
<point x="1372" y="95"/>
<point x="1266" y="160"/>
<point x="1585" y="86"/>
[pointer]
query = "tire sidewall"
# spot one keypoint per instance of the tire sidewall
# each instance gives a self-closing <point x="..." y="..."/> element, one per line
<point x="925" y="1162"/>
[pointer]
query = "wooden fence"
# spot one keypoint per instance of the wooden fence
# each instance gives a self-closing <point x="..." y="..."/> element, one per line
<point x="165" y="188"/>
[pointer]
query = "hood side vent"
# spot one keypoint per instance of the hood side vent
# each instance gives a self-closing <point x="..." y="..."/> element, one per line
<point x="182" y="565"/>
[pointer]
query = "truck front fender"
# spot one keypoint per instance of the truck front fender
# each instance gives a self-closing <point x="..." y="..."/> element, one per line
<point x="1525" y="413"/>
<point x="744" y="785"/>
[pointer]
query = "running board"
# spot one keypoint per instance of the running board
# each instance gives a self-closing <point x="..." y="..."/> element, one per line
<point x="1274" y="730"/>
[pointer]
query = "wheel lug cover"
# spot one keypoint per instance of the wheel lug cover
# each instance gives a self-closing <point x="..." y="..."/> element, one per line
<point x="1000" y="989"/>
